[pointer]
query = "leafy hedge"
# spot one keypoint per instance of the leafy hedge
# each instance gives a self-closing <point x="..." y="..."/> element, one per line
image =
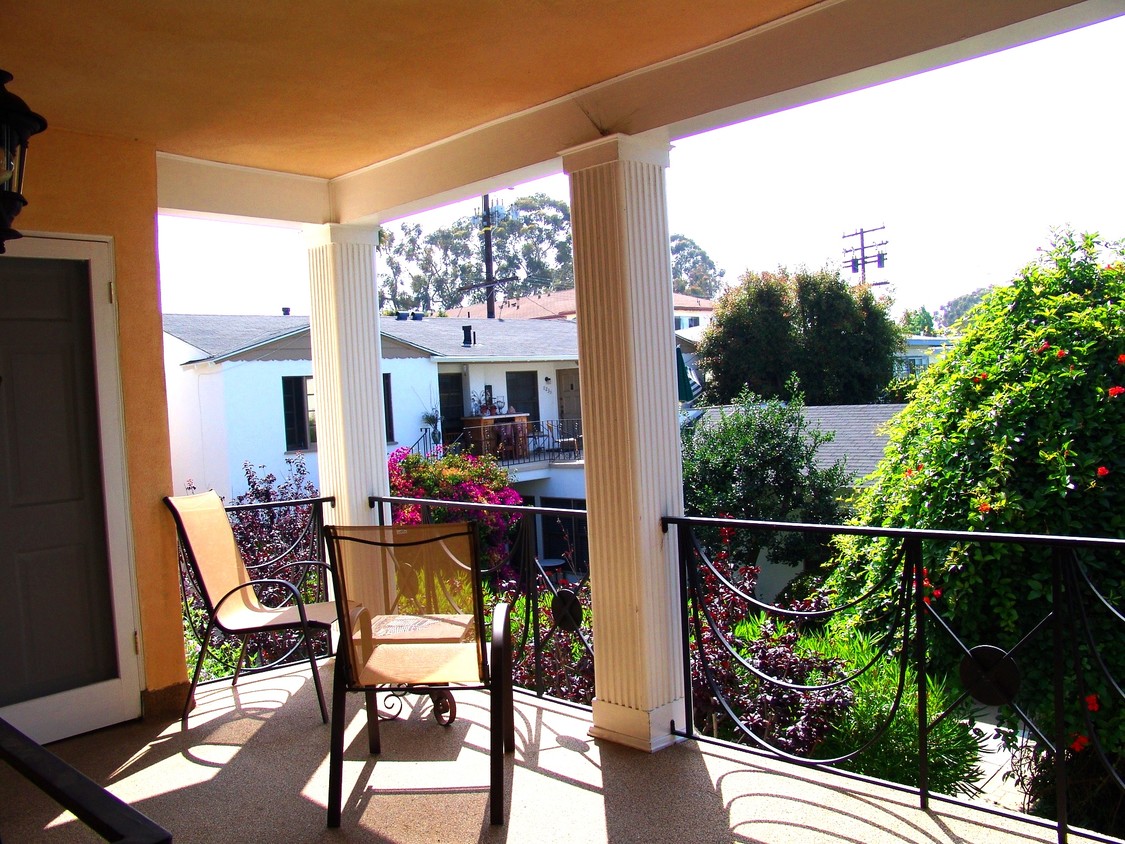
<point x="1017" y="429"/>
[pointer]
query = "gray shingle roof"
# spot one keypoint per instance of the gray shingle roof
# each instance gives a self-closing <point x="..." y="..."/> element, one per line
<point x="220" y="334"/>
<point x="498" y="339"/>
<point x="859" y="433"/>
<point x="495" y="339"/>
<point x="860" y="438"/>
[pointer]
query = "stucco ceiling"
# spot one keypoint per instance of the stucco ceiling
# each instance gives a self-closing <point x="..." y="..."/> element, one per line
<point x="325" y="87"/>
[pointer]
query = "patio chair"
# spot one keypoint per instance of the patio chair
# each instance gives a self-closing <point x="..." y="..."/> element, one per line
<point x="416" y="624"/>
<point x="228" y="593"/>
<point x="561" y="441"/>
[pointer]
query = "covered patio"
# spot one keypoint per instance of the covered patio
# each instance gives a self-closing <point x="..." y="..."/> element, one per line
<point x="253" y="768"/>
<point x="337" y="118"/>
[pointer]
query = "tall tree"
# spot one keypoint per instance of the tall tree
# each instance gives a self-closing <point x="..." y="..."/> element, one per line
<point x="918" y="321"/>
<point x="532" y="241"/>
<point x="954" y="309"/>
<point x="751" y="341"/>
<point x="693" y="271"/>
<point x="839" y="340"/>
<point x="531" y="248"/>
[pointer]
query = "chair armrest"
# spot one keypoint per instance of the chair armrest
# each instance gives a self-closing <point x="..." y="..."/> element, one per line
<point x="500" y="653"/>
<point x="276" y="581"/>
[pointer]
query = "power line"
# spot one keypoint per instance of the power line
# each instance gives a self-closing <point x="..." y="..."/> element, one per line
<point x="858" y="262"/>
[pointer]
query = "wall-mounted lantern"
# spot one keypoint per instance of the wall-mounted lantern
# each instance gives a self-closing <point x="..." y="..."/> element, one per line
<point x="17" y="124"/>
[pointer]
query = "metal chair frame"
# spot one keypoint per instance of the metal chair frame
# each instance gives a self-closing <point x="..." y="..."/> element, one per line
<point x="495" y="661"/>
<point x="213" y="608"/>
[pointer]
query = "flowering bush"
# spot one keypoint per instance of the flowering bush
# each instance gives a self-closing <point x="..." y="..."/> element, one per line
<point x="457" y="477"/>
<point x="1017" y="429"/>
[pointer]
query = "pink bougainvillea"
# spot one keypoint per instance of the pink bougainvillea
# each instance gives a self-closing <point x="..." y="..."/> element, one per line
<point x="456" y="477"/>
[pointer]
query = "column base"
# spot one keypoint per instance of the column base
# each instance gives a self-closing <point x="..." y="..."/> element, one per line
<point x="649" y="730"/>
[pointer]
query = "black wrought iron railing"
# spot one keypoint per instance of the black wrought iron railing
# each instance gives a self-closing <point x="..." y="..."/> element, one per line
<point x="756" y="681"/>
<point x="536" y="560"/>
<point x="104" y="813"/>
<point x="512" y="442"/>
<point x="276" y="539"/>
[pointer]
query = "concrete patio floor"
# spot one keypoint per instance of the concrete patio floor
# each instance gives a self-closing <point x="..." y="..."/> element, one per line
<point x="252" y="767"/>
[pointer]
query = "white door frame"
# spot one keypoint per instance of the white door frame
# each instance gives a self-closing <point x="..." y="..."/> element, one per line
<point x="112" y="701"/>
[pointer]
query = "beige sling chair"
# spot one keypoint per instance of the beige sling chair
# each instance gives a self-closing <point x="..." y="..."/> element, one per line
<point x="228" y="593"/>
<point x="416" y="624"/>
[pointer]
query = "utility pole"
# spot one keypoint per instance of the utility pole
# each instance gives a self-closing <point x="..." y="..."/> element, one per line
<point x="490" y="280"/>
<point x="857" y="258"/>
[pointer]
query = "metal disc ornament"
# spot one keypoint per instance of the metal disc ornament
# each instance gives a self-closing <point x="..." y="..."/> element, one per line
<point x="990" y="675"/>
<point x="567" y="610"/>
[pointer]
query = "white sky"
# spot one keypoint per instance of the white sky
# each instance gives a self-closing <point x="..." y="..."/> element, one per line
<point x="968" y="168"/>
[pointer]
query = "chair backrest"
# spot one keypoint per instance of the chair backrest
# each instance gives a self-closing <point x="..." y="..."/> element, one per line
<point x="419" y="583"/>
<point x="212" y="552"/>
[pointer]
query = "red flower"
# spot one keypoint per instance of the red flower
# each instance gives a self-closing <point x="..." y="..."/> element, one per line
<point x="1044" y="347"/>
<point x="937" y="593"/>
<point x="1061" y="353"/>
<point x="1079" y="743"/>
<point x="1114" y="392"/>
<point x="982" y="377"/>
<point x="1121" y="360"/>
<point x="1102" y="471"/>
<point x="1092" y="703"/>
<point x="985" y="507"/>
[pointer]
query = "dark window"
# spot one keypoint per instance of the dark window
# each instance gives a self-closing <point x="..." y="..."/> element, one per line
<point x="451" y="397"/>
<point x="692" y="322"/>
<point x="388" y="408"/>
<point x="523" y="393"/>
<point x="299" y="408"/>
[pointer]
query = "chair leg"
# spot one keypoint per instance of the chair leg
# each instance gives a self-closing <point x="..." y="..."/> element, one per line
<point x="336" y="751"/>
<point x="195" y="675"/>
<point x="316" y="675"/>
<point x="508" y="698"/>
<point x="371" y="701"/>
<point x="496" y="760"/>
<point x="502" y="730"/>
<point x="241" y="657"/>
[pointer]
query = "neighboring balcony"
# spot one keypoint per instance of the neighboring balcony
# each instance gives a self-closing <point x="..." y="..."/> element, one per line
<point x="512" y="439"/>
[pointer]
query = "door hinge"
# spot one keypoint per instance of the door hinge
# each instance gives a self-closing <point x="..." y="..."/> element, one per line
<point x="136" y="643"/>
<point x="112" y="291"/>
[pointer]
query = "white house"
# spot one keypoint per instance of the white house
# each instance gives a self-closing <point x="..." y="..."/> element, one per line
<point x="919" y="351"/>
<point x="240" y="389"/>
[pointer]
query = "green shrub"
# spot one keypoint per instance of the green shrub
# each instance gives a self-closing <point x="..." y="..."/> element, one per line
<point x="1017" y="429"/>
<point x="954" y="744"/>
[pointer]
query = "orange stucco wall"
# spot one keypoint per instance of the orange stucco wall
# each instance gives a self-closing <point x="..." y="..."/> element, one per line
<point x="81" y="184"/>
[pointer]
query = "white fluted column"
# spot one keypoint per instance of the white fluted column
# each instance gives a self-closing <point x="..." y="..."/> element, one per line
<point x="623" y="280"/>
<point x="344" y="322"/>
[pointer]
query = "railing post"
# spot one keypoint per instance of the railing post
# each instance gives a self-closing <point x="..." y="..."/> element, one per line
<point x="913" y="556"/>
<point x="530" y="582"/>
<point x="684" y="543"/>
<point x="1058" y="670"/>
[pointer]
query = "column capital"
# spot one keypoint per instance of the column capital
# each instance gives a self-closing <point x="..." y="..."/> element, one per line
<point x="328" y="233"/>
<point x="646" y="149"/>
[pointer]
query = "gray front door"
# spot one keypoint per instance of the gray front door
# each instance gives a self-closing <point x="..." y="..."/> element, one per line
<point x="570" y="394"/>
<point x="57" y="602"/>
